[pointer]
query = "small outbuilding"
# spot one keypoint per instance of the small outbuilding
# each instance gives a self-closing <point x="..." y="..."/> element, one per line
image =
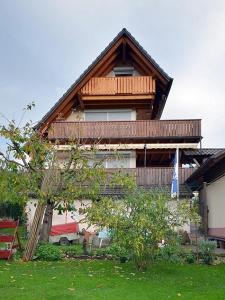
<point x="209" y="181"/>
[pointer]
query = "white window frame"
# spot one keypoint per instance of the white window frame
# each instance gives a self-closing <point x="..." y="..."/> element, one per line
<point x="107" y="111"/>
<point x="127" y="154"/>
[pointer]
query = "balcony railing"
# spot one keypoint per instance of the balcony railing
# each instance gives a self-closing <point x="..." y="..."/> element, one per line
<point x="155" y="176"/>
<point x="126" y="129"/>
<point x="137" y="85"/>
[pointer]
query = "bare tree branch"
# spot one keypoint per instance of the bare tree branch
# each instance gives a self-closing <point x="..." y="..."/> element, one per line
<point x="18" y="150"/>
<point x="12" y="161"/>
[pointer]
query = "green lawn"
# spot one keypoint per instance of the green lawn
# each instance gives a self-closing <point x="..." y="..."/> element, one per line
<point x="73" y="279"/>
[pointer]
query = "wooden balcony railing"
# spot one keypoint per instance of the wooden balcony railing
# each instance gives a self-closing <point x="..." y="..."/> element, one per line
<point x="138" y="85"/>
<point x="155" y="176"/>
<point x="126" y="129"/>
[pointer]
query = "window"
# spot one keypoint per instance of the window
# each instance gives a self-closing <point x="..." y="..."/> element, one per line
<point x="112" y="160"/>
<point x="123" y="71"/>
<point x="110" y="115"/>
<point x="95" y="116"/>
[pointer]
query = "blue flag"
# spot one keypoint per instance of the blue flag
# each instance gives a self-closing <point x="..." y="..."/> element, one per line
<point x="175" y="179"/>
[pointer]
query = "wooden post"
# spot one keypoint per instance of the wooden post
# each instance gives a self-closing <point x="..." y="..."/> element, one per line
<point x="34" y="232"/>
<point x="47" y="184"/>
<point x="204" y="210"/>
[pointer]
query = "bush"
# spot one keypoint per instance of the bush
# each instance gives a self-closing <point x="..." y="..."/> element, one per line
<point x="11" y="210"/>
<point x="190" y="258"/>
<point x="48" y="252"/>
<point x="71" y="250"/>
<point x="206" y="250"/>
<point x="171" y="253"/>
<point x="113" y="250"/>
<point x="138" y="223"/>
<point x="101" y="251"/>
<point x="117" y="250"/>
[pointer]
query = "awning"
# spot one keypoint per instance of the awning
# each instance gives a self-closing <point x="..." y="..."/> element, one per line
<point x="64" y="229"/>
<point x="131" y="146"/>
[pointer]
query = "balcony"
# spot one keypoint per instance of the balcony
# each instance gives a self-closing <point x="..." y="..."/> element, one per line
<point x="155" y="176"/>
<point x="127" y="130"/>
<point x="142" y="87"/>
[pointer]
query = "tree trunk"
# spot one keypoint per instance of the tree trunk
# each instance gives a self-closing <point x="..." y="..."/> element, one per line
<point x="47" y="222"/>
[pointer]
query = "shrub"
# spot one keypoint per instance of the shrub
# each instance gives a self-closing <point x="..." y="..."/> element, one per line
<point x="190" y="258"/>
<point x="138" y="223"/>
<point x="206" y="250"/>
<point x="71" y="250"/>
<point x="113" y="250"/>
<point x="12" y="210"/>
<point x="101" y="251"/>
<point x="171" y="253"/>
<point x="48" y="252"/>
<point x="117" y="250"/>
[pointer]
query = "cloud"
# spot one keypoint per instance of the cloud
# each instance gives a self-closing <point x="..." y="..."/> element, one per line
<point x="48" y="43"/>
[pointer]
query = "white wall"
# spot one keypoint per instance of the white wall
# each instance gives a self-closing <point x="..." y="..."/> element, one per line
<point x="68" y="217"/>
<point x="216" y="203"/>
<point x="76" y="217"/>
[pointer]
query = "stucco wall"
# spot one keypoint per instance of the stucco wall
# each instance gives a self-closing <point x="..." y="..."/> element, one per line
<point x="216" y="203"/>
<point x="76" y="217"/>
<point x="64" y="218"/>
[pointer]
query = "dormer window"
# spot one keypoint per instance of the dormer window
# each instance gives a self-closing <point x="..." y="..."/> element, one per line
<point x="123" y="71"/>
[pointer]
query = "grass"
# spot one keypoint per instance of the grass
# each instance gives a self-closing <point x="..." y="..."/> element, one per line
<point x="76" y="279"/>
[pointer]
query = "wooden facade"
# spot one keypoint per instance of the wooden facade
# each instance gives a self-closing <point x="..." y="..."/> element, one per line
<point x="165" y="129"/>
<point x="156" y="176"/>
<point x="115" y="86"/>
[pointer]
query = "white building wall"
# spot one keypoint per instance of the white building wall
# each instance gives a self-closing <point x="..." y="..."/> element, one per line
<point x="216" y="203"/>
<point x="67" y="217"/>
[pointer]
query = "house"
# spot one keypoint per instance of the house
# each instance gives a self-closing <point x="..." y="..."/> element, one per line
<point x="209" y="181"/>
<point x="118" y="102"/>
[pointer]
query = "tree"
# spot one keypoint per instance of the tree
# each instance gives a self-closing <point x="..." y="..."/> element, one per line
<point x="139" y="222"/>
<point x="31" y="166"/>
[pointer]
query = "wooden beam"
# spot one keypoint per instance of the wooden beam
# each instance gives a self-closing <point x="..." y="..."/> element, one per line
<point x="118" y="97"/>
<point x="80" y="100"/>
<point x="114" y="105"/>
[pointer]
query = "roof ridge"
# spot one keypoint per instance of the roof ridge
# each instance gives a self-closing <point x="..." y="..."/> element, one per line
<point x="124" y="31"/>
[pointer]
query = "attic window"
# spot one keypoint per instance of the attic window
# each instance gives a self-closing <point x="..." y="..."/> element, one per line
<point x="123" y="71"/>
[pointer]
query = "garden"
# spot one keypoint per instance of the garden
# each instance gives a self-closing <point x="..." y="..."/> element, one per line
<point x="92" y="279"/>
<point x="147" y="257"/>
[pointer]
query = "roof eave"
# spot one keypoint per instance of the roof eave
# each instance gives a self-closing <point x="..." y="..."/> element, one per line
<point x="123" y="32"/>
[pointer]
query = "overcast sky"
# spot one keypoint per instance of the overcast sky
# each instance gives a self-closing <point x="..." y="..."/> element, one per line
<point x="47" y="44"/>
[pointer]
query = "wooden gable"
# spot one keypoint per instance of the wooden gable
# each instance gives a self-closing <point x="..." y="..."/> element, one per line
<point x="124" y="50"/>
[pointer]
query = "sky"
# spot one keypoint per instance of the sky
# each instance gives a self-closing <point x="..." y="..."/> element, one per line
<point x="46" y="44"/>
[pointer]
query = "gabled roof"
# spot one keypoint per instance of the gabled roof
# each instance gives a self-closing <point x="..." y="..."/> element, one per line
<point x="123" y="33"/>
<point x="213" y="162"/>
